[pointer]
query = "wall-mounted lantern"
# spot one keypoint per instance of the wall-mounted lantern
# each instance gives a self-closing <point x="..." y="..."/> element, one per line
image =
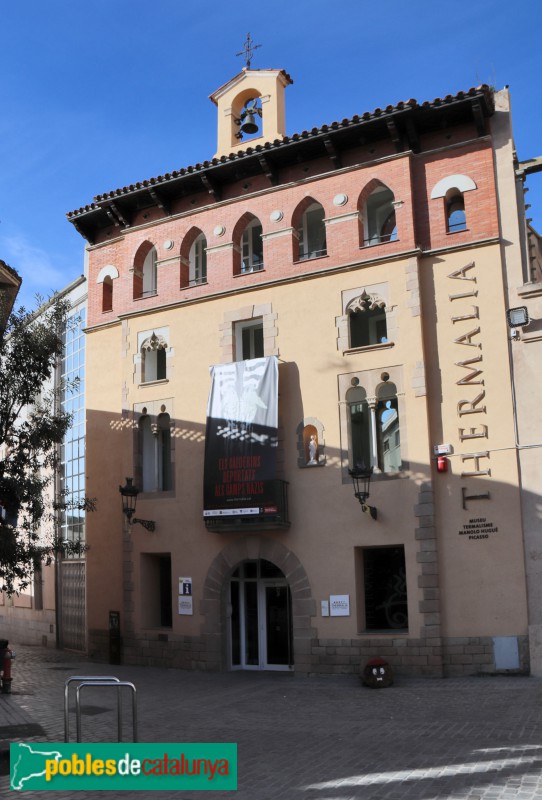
<point x="361" y="478"/>
<point x="129" y="494"/>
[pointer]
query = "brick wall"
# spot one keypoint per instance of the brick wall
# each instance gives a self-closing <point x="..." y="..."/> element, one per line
<point x="420" y="221"/>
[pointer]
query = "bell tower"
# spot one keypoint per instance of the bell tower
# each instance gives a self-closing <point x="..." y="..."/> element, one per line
<point x="250" y="107"/>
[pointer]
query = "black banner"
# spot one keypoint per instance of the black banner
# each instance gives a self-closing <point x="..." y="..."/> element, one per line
<point x="241" y="439"/>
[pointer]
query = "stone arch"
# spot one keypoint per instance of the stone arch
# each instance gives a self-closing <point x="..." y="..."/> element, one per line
<point x="214" y="605"/>
<point x="460" y="182"/>
<point x="107" y="272"/>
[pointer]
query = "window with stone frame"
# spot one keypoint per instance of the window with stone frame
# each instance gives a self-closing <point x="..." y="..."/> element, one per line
<point x="452" y="189"/>
<point x="153" y="359"/>
<point x="371" y="426"/>
<point x="367" y="321"/>
<point x="154" y="451"/>
<point x="262" y="336"/>
<point x="249" y="339"/>
<point x="368" y="318"/>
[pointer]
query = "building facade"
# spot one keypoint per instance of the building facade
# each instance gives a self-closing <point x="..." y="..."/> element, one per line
<point x="51" y="610"/>
<point x="365" y="260"/>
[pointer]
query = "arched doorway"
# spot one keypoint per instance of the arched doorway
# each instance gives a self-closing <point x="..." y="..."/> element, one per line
<point x="261" y="633"/>
<point x="216" y="604"/>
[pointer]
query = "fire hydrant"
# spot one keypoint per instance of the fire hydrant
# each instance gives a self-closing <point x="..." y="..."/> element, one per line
<point x="6" y="657"/>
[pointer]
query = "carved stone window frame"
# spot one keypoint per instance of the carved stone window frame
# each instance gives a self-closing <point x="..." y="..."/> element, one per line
<point x="371" y="381"/>
<point x="153" y="410"/>
<point x="378" y="296"/>
<point x="159" y="335"/>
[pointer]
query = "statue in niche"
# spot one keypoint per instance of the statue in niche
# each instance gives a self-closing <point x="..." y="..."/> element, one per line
<point x="313" y="451"/>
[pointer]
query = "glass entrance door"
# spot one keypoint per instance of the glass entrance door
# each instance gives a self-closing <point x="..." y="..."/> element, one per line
<point x="261" y="618"/>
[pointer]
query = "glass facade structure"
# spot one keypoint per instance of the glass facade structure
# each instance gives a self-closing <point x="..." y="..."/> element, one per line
<point x="72" y="452"/>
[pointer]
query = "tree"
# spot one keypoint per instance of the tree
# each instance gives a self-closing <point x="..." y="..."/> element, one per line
<point x="31" y="429"/>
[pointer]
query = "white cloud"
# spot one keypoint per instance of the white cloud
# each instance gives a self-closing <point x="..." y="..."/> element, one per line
<point x="34" y="265"/>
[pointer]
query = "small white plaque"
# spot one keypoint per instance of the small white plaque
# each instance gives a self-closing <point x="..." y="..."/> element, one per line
<point x="276" y="216"/>
<point x="185" y="605"/>
<point x="442" y="449"/>
<point x="168" y="244"/>
<point x="219" y="230"/>
<point x="185" y="587"/>
<point x="339" y="605"/>
<point x="324" y="607"/>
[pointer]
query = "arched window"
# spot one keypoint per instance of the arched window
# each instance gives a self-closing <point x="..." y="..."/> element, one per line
<point x="198" y="261"/>
<point x="456" y="219"/>
<point x="367" y="321"/>
<point x="373" y="428"/>
<point x="107" y="294"/>
<point x="164" y="452"/>
<point x="106" y="276"/>
<point x="359" y="428"/>
<point x="153" y="359"/>
<point x="453" y="188"/>
<point x="252" y="247"/>
<point x="379" y="217"/>
<point x="149" y="274"/>
<point x="312" y="233"/>
<point x="145" y="273"/>
<point x="387" y="429"/>
<point x="155" y="453"/>
<point x="148" y="454"/>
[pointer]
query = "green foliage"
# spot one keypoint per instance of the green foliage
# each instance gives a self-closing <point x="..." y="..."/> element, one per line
<point x="31" y="428"/>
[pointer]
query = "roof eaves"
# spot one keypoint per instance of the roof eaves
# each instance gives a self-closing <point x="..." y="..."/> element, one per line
<point x="367" y="116"/>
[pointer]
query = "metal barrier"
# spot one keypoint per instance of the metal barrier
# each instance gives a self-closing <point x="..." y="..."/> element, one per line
<point x="98" y="680"/>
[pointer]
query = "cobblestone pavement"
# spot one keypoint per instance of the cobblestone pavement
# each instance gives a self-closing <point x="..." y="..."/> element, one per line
<point x="306" y="738"/>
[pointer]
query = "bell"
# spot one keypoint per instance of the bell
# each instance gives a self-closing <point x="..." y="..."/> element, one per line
<point x="249" y="126"/>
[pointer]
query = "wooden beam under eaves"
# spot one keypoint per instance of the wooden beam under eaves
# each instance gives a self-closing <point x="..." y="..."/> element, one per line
<point x="412" y="135"/>
<point x="109" y="211"/>
<point x="116" y="216"/>
<point x="268" y="170"/>
<point x="160" y="202"/>
<point x="90" y="239"/>
<point x="332" y="152"/>
<point x="394" y="134"/>
<point x="211" y="188"/>
<point x="478" y="115"/>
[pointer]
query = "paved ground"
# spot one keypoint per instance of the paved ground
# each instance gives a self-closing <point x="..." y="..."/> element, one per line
<point x="307" y="739"/>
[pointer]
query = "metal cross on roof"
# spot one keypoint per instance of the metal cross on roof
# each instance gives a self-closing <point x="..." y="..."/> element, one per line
<point x="248" y="50"/>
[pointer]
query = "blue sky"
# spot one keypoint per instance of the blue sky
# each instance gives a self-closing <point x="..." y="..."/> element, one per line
<point x="98" y="94"/>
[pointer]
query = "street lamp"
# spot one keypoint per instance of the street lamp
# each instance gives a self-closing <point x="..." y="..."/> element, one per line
<point x="361" y="478"/>
<point x="129" y="494"/>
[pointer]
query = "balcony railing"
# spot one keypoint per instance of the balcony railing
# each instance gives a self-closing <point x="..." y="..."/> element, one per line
<point x="273" y="517"/>
<point x="309" y="254"/>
